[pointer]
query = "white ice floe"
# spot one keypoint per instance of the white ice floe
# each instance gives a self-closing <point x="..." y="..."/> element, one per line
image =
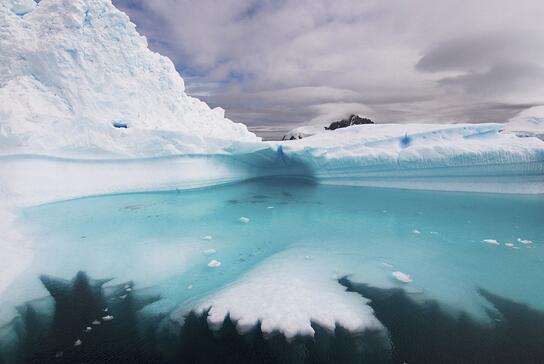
<point x="107" y="318"/>
<point x="402" y="277"/>
<point x="209" y="252"/>
<point x="78" y="342"/>
<point x="415" y="231"/>
<point x="524" y="241"/>
<point x="270" y="207"/>
<point x="214" y="263"/>
<point x="244" y="219"/>
<point x="490" y="241"/>
<point x="96" y="322"/>
<point x="509" y="245"/>
<point x="207" y="237"/>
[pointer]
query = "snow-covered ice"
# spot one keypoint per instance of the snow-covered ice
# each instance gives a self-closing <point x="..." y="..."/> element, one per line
<point x="244" y="219"/>
<point x="402" y="277"/>
<point x="70" y="69"/>
<point x="490" y="241"/>
<point x="214" y="263"/>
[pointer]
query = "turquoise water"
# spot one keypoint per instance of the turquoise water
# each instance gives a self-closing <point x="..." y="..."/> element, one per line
<point x="155" y="239"/>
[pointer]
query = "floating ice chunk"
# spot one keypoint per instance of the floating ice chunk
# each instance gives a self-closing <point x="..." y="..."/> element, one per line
<point x="388" y="265"/>
<point x="209" y="252"/>
<point x="270" y="207"/>
<point x="207" y="237"/>
<point x="78" y="342"/>
<point x="509" y="244"/>
<point x="433" y="232"/>
<point x="491" y="241"/>
<point x="403" y="277"/>
<point x="107" y="318"/>
<point x="214" y="263"/>
<point x="190" y="286"/>
<point x="88" y="329"/>
<point x="415" y="231"/>
<point x="244" y="219"/>
<point x="96" y="322"/>
<point x="123" y="296"/>
<point x="524" y="241"/>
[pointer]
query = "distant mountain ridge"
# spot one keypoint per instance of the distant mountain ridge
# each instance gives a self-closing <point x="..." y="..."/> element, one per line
<point x="306" y="131"/>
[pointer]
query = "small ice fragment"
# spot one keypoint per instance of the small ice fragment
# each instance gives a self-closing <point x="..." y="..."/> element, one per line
<point x="207" y="237"/>
<point x="515" y="247"/>
<point x="388" y="265"/>
<point x="214" y="263"/>
<point x="126" y="286"/>
<point x="78" y="342"/>
<point x="105" y="310"/>
<point x="107" y="318"/>
<point x="509" y="244"/>
<point x="524" y="241"/>
<point x="491" y="241"/>
<point x="128" y="289"/>
<point x="403" y="277"/>
<point x="88" y="329"/>
<point x="270" y="207"/>
<point x="244" y="219"/>
<point x="96" y="322"/>
<point x="209" y="252"/>
<point x="415" y="231"/>
<point x="433" y="232"/>
<point x="123" y="296"/>
<point x="190" y="286"/>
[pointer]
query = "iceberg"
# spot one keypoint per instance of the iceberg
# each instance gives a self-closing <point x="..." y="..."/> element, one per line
<point x="87" y="110"/>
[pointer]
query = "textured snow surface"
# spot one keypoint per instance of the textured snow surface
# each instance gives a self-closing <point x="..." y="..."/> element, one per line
<point x="71" y="69"/>
<point x="463" y="157"/>
<point x="529" y="122"/>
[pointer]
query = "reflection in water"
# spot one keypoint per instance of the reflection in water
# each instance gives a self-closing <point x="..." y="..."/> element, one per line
<point x="425" y="332"/>
<point x="91" y="323"/>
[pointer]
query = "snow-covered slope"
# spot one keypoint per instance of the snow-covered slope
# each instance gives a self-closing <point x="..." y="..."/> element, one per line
<point x="528" y="123"/>
<point x="459" y="157"/>
<point x="72" y="69"/>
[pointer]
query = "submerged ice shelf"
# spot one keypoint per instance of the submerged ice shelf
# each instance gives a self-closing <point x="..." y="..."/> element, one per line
<point x="283" y="267"/>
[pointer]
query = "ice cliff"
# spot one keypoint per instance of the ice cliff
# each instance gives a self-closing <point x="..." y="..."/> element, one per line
<point x="72" y="70"/>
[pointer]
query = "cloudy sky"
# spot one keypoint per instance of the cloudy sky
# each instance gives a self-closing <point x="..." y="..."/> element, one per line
<point x="276" y="64"/>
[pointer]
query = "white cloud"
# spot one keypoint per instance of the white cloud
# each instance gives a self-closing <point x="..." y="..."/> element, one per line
<point x="272" y="63"/>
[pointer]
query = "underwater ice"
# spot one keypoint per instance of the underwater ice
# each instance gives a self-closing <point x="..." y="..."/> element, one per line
<point x="282" y="269"/>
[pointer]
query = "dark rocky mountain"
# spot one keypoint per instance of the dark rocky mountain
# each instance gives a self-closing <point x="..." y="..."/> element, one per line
<point x="352" y="120"/>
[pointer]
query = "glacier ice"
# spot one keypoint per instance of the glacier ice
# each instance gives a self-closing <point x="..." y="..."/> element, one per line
<point x="70" y="69"/>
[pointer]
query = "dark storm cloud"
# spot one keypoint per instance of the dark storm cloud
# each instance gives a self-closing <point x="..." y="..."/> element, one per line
<point x="275" y="64"/>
